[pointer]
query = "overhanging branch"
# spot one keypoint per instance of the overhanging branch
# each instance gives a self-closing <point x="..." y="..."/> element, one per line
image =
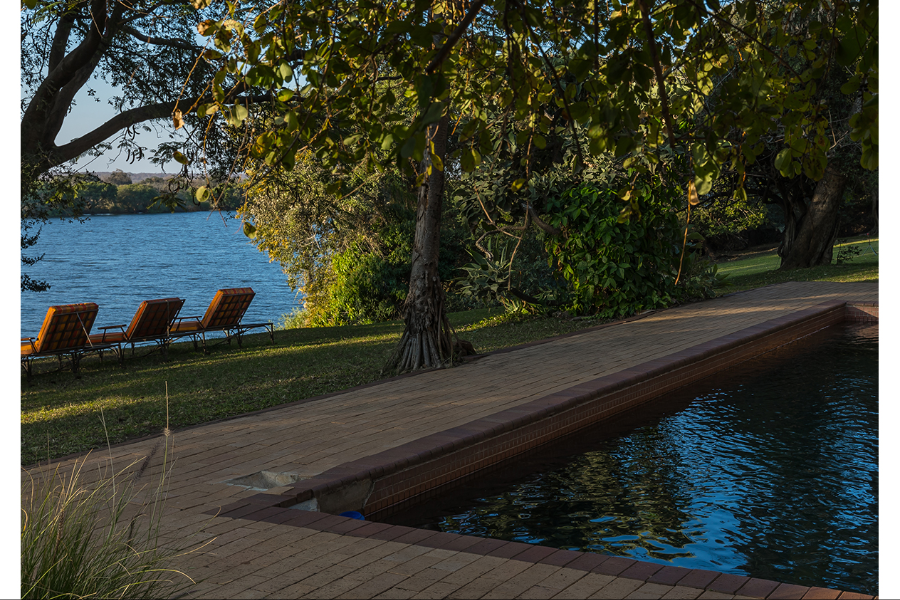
<point x="444" y="52"/>
<point x="157" y="41"/>
<point x="131" y="117"/>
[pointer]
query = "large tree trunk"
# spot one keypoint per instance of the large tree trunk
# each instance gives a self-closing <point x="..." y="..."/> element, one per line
<point x="809" y="236"/>
<point x="426" y="342"/>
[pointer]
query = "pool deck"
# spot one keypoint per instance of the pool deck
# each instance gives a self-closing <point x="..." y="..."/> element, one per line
<point x="345" y="446"/>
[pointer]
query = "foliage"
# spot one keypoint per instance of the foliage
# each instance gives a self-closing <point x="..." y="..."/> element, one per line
<point x="616" y="268"/>
<point x="136" y="197"/>
<point x="847" y="252"/>
<point x="85" y="539"/>
<point x="524" y="286"/>
<point x="496" y="60"/>
<point x="368" y="281"/>
<point x="118" y="177"/>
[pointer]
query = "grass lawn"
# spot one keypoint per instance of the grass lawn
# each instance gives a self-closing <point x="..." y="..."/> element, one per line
<point x="61" y="412"/>
<point x="762" y="269"/>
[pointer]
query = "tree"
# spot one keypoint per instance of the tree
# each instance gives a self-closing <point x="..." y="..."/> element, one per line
<point x="463" y="66"/>
<point x="147" y="50"/>
<point x="119" y="177"/>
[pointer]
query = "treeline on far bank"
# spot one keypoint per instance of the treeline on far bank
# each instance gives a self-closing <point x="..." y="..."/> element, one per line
<point x="117" y="193"/>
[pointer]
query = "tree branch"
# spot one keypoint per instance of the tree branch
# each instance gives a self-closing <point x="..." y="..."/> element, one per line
<point x="660" y="82"/>
<point x="156" y="41"/>
<point x="128" y="118"/>
<point x="60" y="41"/>
<point x="444" y="52"/>
<point x="545" y="227"/>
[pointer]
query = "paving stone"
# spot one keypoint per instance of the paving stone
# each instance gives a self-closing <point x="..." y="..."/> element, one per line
<point x="682" y="593"/>
<point x="519" y="584"/>
<point x="438" y="590"/>
<point x="817" y="593"/>
<point x="374" y="586"/>
<point x="617" y="588"/>
<point x="786" y="591"/>
<point x="651" y="591"/>
<point x="422" y="580"/>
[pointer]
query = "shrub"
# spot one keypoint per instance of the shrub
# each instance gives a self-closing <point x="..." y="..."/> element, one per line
<point x="614" y="268"/>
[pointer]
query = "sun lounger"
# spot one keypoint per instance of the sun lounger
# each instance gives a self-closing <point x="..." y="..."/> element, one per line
<point x="151" y="323"/>
<point x="224" y="314"/>
<point x="66" y="331"/>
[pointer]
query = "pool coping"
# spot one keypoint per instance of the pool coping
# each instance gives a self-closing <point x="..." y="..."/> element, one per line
<point x="421" y="467"/>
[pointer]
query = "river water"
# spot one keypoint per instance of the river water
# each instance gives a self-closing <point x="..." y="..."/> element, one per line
<point x="118" y="261"/>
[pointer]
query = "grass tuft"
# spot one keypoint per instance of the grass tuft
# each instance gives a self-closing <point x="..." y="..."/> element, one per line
<point x="96" y="539"/>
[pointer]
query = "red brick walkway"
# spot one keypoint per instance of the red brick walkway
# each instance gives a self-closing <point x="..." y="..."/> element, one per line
<point x="283" y="553"/>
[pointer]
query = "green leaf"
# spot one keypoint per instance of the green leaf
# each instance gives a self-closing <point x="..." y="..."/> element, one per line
<point x="285" y="95"/>
<point x="540" y="142"/>
<point x="180" y="157"/>
<point x="518" y="184"/>
<point x="580" y="111"/>
<point x="409" y="146"/>
<point x="433" y="114"/>
<point x="203" y="194"/>
<point x="783" y="160"/>
<point x="285" y="71"/>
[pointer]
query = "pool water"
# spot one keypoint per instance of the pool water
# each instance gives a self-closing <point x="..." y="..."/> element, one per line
<point x="769" y="469"/>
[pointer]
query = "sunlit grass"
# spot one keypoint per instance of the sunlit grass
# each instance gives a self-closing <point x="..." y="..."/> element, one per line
<point x="763" y="270"/>
<point x="61" y="412"/>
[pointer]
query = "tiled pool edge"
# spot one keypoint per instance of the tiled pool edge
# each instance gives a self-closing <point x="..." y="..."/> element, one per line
<point x="408" y="470"/>
<point x="416" y="467"/>
<point x="600" y="564"/>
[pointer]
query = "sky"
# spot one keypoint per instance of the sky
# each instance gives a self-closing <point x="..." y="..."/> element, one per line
<point x="88" y="115"/>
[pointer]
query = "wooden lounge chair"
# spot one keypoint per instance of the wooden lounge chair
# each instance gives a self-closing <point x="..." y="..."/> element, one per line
<point x="66" y="331"/>
<point x="224" y="314"/>
<point x="151" y="323"/>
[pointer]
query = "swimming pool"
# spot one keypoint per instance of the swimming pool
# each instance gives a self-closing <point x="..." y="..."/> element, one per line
<point x="768" y="469"/>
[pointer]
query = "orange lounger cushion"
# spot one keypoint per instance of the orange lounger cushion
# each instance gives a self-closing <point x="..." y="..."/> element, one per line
<point x="183" y="326"/>
<point x="108" y="337"/>
<point x="65" y="326"/>
<point x="227" y="307"/>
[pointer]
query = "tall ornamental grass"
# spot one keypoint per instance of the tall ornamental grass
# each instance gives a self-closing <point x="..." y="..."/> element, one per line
<point x="98" y="540"/>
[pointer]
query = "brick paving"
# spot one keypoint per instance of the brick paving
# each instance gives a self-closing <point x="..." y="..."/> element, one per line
<point x="262" y="551"/>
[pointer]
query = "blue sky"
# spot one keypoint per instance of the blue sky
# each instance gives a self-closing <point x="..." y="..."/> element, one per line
<point x="88" y="114"/>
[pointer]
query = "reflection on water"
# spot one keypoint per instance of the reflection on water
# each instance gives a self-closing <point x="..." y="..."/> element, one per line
<point x="769" y="472"/>
<point x="118" y="261"/>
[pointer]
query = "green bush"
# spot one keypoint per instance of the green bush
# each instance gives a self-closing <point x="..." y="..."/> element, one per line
<point x="363" y="284"/>
<point x="614" y="268"/>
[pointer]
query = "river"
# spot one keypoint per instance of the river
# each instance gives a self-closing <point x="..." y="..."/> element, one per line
<point x="118" y="261"/>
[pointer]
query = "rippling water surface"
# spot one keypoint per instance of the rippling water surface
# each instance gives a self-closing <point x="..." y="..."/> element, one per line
<point x="769" y="470"/>
<point x="118" y="261"/>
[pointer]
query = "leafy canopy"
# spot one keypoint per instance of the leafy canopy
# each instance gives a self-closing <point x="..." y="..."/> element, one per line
<point x="620" y="70"/>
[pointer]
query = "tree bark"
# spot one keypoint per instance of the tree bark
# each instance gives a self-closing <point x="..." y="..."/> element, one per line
<point x="809" y="237"/>
<point x="426" y="341"/>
